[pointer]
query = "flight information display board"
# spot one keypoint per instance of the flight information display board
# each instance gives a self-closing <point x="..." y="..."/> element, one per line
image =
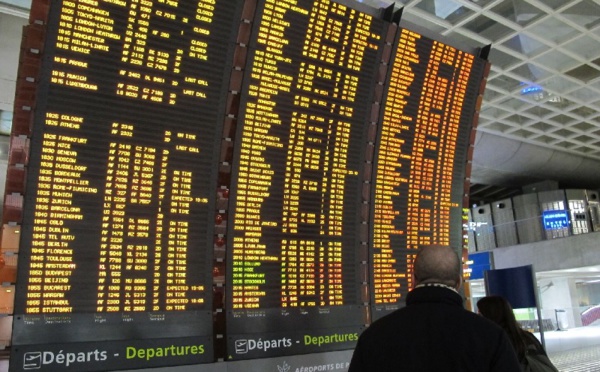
<point x="116" y="256"/>
<point x="294" y="226"/>
<point x="230" y="179"/>
<point x="421" y="159"/>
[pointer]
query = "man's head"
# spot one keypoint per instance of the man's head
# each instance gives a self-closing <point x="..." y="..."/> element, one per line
<point x="437" y="264"/>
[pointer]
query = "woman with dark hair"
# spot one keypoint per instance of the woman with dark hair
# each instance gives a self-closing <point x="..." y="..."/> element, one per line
<point x="526" y="345"/>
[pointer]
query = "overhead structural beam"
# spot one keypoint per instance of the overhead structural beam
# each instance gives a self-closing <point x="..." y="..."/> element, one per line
<point x="13" y="10"/>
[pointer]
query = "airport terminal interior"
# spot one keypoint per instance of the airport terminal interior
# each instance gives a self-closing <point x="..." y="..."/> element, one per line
<point x="535" y="172"/>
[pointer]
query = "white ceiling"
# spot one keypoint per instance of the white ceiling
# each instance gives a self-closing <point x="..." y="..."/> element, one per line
<point x="540" y="118"/>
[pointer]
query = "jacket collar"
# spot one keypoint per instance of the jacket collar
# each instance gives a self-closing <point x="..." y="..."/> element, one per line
<point x="436" y="285"/>
<point x="434" y="294"/>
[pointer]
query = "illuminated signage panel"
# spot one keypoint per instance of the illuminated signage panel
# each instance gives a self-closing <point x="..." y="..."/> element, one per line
<point x="556" y="219"/>
<point x="421" y="158"/>
<point x="294" y="232"/>
<point x="117" y="237"/>
<point x="257" y="172"/>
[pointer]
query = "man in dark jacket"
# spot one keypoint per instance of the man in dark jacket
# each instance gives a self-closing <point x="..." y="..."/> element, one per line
<point x="434" y="333"/>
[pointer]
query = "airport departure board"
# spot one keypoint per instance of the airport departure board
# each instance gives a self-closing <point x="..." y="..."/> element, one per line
<point x="295" y="202"/>
<point x="421" y="159"/>
<point x="116" y="256"/>
<point x="228" y="179"/>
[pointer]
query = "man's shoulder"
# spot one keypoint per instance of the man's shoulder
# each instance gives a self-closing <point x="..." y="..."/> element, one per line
<point x="411" y="316"/>
<point x="481" y="322"/>
<point x="389" y="321"/>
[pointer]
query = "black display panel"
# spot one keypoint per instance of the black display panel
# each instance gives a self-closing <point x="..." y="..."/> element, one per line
<point x="421" y="159"/>
<point x="116" y="256"/>
<point x="257" y="173"/>
<point x="294" y="228"/>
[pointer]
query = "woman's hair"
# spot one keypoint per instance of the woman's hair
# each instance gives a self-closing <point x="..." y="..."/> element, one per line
<point x="498" y="310"/>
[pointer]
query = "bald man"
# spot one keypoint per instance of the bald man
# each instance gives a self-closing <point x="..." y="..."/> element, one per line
<point x="434" y="333"/>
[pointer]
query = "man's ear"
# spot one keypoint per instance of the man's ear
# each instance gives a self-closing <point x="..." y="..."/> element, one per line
<point x="459" y="282"/>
